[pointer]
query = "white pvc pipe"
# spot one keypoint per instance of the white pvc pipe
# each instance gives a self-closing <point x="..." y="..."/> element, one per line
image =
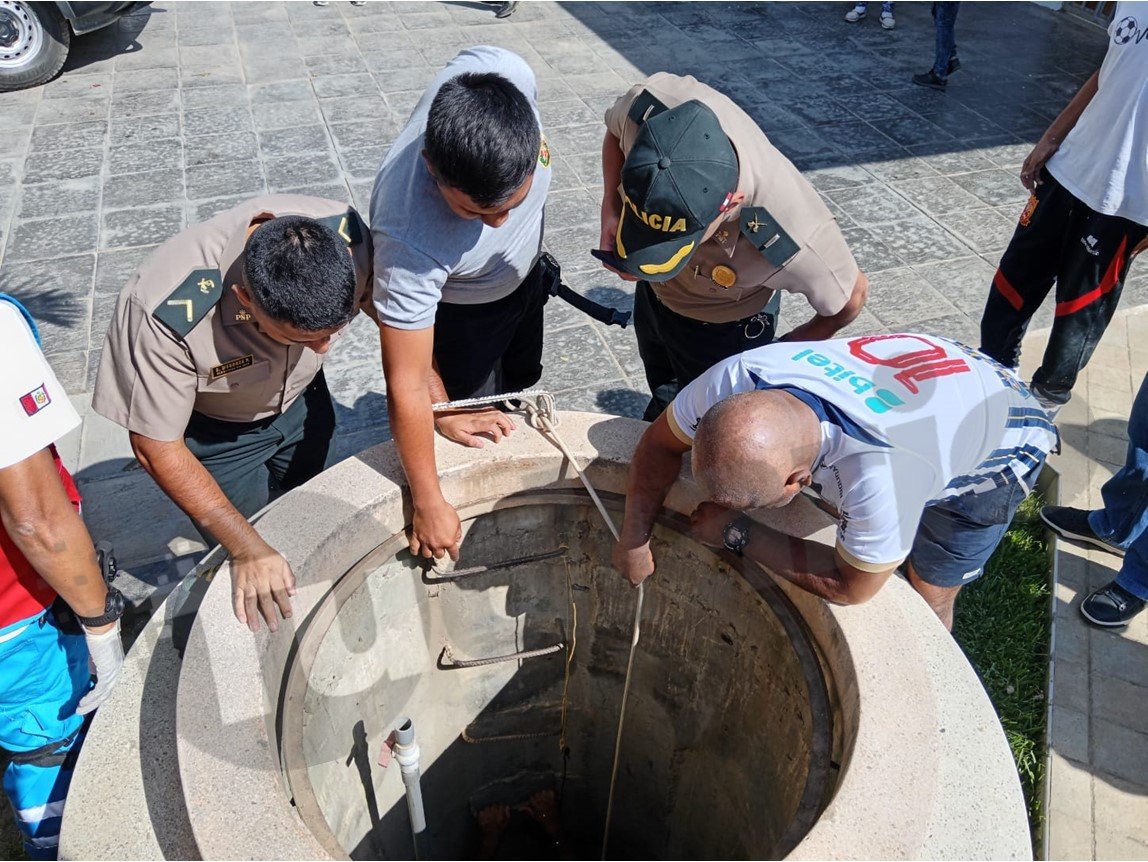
<point x="407" y="755"/>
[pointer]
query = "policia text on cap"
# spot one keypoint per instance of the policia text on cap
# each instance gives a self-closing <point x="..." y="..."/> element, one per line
<point x="712" y="221"/>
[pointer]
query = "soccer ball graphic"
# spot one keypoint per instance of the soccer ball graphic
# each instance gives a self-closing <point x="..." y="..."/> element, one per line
<point x="1124" y="31"/>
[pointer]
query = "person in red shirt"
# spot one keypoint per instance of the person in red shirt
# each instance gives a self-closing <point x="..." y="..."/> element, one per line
<point x="46" y="685"/>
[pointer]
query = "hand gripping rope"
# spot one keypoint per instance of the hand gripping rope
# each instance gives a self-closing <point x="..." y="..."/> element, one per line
<point x="541" y="416"/>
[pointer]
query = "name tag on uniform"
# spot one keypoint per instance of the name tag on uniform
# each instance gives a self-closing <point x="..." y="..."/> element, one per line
<point x="226" y="368"/>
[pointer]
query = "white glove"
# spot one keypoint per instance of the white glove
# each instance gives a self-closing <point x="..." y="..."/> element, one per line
<point x="106" y="658"/>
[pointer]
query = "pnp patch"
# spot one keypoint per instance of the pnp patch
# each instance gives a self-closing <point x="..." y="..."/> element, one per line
<point x="544" y="153"/>
<point x="36" y="400"/>
<point x="226" y="368"/>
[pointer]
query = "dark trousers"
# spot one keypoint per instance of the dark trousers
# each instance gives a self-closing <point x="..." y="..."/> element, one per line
<point x="944" y="24"/>
<point x="676" y="349"/>
<point x="255" y="462"/>
<point x="492" y="347"/>
<point x="1087" y="255"/>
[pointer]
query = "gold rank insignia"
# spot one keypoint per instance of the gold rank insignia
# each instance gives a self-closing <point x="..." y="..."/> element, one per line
<point x="723" y="276"/>
<point x="185" y="306"/>
<point x="242" y="316"/>
<point x="345" y="225"/>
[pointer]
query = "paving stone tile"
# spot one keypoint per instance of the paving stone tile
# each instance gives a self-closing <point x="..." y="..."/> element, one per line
<point x="369" y="133"/>
<point x="871" y="204"/>
<point x="994" y="187"/>
<point x="70" y="368"/>
<point x="207" y="121"/>
<point x="363" y="163"/>
<point x="1121" y="659"/>
<point x="919" y="239"/>
<point x="68" y="136"/>
<point x="1068" y="731"/>
<point x="145" y="102"/>
<point x="140" y="226"/>
<point x="575" y="207"/>
<point x="901" y="298"/>
<point x="869" y="250"/>
<point x="303" y="139"/>
<point x="203" y="210"/>
<point x="1119" y="751"/>
<point x="360" y="85"/>
<point x="77" y="110"/>
<point x="620" y="397"/>
<point x="937" y="195"/>
<point x="281" y="91"/>
<point x="220" y="98"/>
<point x="133" y="130"/>
<point x="289" y="172"/>
<point x="210" y="149"/>
<point x="145" y="156"/>
<point x="162" y="186"/>
<point x="575" y="357"/>
<point x="53" y="289"/>
<point x="59" y="198"/>
<point x="73" y="86"/>
<point x="49" y="167"/>
<point x="225" y="178"/>
<point x="284" y="115"/>
<point x="964" y="282"/>
<point x="52" y="237"/>
<point x="114" y="268"/>
<point x="1120" y="702"/>
<point x="14" y="144"/>
<point x="166" y="79"/>
<point x="1069" y="837"/>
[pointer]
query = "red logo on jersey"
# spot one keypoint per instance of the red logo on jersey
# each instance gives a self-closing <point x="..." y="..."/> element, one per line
<point x="36" y="400"/>
<point x="915" y="365"/>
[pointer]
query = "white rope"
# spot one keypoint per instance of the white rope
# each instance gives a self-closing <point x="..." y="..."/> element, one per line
<point x="542" y="416"/>
<point x="636" y="630"/>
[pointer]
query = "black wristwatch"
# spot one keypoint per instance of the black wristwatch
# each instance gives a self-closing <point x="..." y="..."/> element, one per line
<point x="736" y="534"/>
<point x="114" y="606"/>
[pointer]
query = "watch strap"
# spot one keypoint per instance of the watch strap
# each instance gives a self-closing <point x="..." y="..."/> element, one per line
<point x="114" y="606"/>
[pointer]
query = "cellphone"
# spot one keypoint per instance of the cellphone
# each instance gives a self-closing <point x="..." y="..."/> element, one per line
<point x="610" y="258"/>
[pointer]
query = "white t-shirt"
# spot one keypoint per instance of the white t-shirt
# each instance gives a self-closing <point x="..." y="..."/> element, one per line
<point x="34" y="409"/>
<point x="906" y="420"/>
<point x="1104" y="159"/>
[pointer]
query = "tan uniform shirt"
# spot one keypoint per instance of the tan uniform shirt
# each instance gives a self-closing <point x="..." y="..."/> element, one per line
<point x="823" y="270"/>
<point x="152" y="377"/>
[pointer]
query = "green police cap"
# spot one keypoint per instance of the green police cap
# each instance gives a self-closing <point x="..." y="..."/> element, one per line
<point x="679" y="176"/>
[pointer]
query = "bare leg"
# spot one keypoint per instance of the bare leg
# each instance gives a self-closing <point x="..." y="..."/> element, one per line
<point x="940" y="599"/>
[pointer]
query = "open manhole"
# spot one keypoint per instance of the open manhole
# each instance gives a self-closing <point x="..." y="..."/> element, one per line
<point x="726" y="743"/>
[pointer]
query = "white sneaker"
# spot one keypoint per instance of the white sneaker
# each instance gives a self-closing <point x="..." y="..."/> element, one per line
<point x="888" y="22"/>
<point x="855" y="14"/>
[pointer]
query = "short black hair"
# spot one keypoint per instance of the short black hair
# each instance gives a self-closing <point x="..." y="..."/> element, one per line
<point x="299" y="272"/>
<point x="482" y="137"/>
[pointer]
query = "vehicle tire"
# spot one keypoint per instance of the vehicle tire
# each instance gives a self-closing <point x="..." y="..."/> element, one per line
<point x="34" y="40"/>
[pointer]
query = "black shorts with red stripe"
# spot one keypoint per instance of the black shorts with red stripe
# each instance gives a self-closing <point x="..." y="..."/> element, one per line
<point x="1059" y="240"/>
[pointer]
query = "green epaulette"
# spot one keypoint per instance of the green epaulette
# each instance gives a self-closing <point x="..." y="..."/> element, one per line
<point x="187" y="304"/>
<point x="348" y="226"/>
<point x="767" y="236"/>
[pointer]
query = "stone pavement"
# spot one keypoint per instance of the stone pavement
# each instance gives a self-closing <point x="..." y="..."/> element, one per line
<point x="185" y="108"/>
<point x="1098" y="736"/>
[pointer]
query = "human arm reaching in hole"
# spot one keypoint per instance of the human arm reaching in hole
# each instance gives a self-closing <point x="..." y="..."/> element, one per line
<point x="814" y="567"/>
<point x="653" y="471"/>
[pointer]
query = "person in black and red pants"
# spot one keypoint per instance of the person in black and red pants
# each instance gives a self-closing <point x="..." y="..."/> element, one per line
<point x="1060" y="240"/>
<point x="1086" y="219"/>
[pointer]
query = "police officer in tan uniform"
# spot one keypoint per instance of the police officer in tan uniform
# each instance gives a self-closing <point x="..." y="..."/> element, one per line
<point x="712" y="222"/>
<point x="214" y="365"/>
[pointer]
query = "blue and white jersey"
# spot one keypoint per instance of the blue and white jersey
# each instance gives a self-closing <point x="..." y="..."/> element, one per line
<point x="906" y="420"/>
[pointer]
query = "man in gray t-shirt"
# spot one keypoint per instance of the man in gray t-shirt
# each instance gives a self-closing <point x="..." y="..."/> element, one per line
<point x="456" y="220"/>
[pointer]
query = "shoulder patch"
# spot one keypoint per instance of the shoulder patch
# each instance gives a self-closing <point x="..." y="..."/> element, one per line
<point x="346" y="225"/>
<point x="767" y="236"/>
<point x="185" y="306"/>
<point x="646" y="105"/>
<point x="544" y="153"/>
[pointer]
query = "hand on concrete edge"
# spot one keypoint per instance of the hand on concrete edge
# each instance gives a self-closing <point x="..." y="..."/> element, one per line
<point x="262" y="584"/>
<point x="474" y="428"/>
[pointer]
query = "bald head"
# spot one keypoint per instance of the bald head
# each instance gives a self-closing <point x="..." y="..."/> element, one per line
<point x="755" y="449"/>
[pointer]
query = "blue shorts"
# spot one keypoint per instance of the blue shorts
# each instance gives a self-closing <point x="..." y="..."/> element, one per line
<point x="956" y="537"/>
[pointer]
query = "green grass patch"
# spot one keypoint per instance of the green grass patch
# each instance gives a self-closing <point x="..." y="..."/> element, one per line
<point x="1003" y="624"/>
